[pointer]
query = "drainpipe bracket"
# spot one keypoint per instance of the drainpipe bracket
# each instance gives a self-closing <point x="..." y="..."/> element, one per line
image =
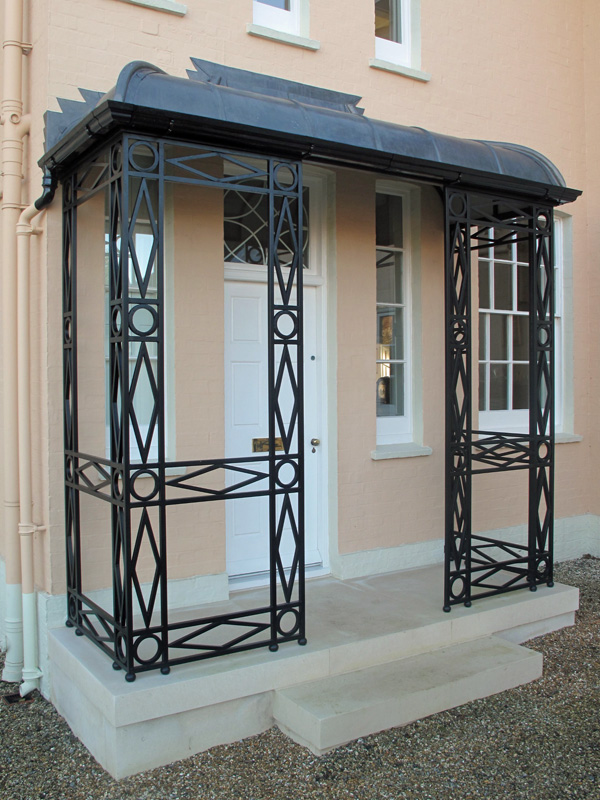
<point x="27" y="528"/>
<point x="25" y="229"/>
<point x="26" y="47"/>
<point x="20" y="121"/>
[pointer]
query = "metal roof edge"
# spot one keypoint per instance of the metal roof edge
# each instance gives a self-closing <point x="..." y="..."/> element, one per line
<point x="148" y="100"/>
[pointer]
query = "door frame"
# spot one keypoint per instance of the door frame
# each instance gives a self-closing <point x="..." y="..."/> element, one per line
<point x="321" y="232"/>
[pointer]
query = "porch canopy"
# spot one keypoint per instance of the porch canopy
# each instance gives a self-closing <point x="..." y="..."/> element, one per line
<point x="152" y="129"/>
<point x="260" y="113"/>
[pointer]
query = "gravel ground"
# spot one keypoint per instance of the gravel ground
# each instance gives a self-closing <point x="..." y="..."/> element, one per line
<point x="539" y="741"/>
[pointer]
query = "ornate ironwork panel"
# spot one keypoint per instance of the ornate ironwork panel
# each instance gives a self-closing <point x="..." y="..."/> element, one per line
<point x="132" y="477"/>
<point x="541" y="399"/>
<point x="458" y="398"/>
<point x="476" y="565"/>
<point x="70" y="424"/>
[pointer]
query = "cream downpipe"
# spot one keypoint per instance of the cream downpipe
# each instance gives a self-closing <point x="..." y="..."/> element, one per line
<point x="27" y="528"/>
<point x="14" y="128"/>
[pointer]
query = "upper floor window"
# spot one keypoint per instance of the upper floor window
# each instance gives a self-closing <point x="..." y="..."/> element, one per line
<point x="280" y="15"/>
<point x="393" y="25"/>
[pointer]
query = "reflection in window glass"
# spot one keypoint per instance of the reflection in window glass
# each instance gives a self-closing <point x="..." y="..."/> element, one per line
<point x="498" y="337"/>
<point x="283" y="4"/>
<point x="503" y="275"/>
<point x="498" y="387"/>
<point x="388" y="20"/>
<point x="484" y="284"/>
<point x="390" y="332"/>
<point x="391" y="311"/>
<point x="521" y="386"/>
<point x="522" y="288"/>
<point x="390" y="390"/>
<point x="388" y="220"/>
<point x="520" y="337"/>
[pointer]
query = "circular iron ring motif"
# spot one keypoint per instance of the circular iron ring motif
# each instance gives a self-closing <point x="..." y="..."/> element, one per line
<point x="458" y="205"/>
<point x="285" y="177"/>
<point x="144" y="474"/>
<point x="543" y="452"/>
<point x="459" y="334"/>
<point x="543" y="220"/>
<point x="117" y="484"/>
<point x="141" y="309"/>
<point x="69" y="468"/>
<point x="541" y="568"/>
<point x="281" y="626"/>
<point x="68" y="192"/>
<point x="117" y="159"/>
<point x="72" y="609"/>
<point x="457" y="588"/>
<point x="148" y="637"/>
<point x="115" y="321"/>
<point x="281" y="317"/>
<point x="68" y="331"/>
<point x="543" y="336"/>
<point x="142" y="150"/>
<point x="280" y="466"/>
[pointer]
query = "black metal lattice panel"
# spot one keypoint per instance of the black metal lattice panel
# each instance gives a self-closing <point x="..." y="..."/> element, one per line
<point x="458" y="398"/>
<point x="479" y="566"/>
<point x="133" y="172"/>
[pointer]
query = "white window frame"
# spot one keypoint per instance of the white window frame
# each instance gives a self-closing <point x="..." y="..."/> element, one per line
<point x="399" y="429"/>
<point x="277" y="19"/>
<point x="563" y="366"/>
<point x="399" y="52"/>
<point x="517" y="420"/>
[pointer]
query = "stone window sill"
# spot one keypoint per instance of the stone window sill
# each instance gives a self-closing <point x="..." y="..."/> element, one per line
<point x="412" y="450"/>
<point x="399" y="69"/>
<point x="405" y="450"/>
<point x="565" y="438"/>
<point x="280" y="36"/>
<point x="170" y="6"/>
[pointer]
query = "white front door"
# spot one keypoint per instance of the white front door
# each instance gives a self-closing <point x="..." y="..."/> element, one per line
<point x="246" y="418"/>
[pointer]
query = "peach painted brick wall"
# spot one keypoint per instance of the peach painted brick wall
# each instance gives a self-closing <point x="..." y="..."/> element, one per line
<point x="523" y="72"/>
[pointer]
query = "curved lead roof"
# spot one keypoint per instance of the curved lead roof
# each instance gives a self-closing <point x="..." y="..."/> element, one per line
<point x="217" y="104"/>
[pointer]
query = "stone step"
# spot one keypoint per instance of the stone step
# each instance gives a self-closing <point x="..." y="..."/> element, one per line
<point x="326" y="713"/>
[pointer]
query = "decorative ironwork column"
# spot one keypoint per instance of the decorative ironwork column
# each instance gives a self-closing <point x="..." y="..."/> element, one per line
<point x="458" y="398"/>
<point x="478" y="565"/>
<point x="70" y="415"/>
<point x="139" y="330"/>
<point x="286" y="472"/>
<point x="132" y="477"/>
<point x="118" y="366"/>
<point x="541" y="398"/>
